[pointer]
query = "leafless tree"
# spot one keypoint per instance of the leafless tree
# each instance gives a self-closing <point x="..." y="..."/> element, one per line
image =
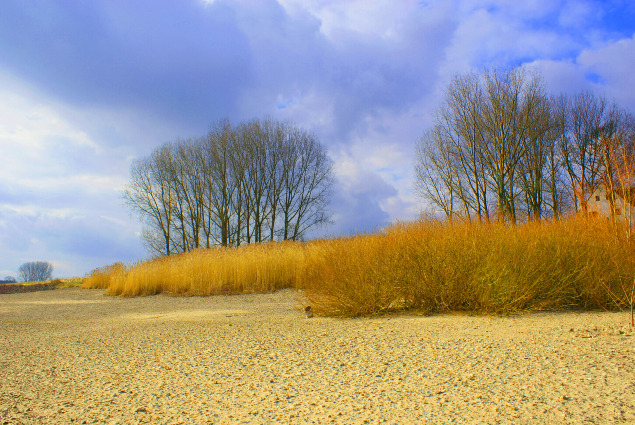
<point x="507" y="112"/>
<point x="482" y="134"/>
<point x="306" y="184"/>
<point x="538" y="142"/>
<point x="150" y="194"/>
<point x="582" y="147"/>
<point x="255" y="154"/>
<point x="436" y="178"/>
<point x="554" y="166"/>
<point x="498" y="137"/>
<point x="222" y="176"/>
<point x="461" y="124"/>
<point x="34" y="271"/>
<point x="257" y="181"/>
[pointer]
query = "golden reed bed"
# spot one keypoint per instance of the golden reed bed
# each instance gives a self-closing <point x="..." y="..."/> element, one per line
<point x="424" y="266"/>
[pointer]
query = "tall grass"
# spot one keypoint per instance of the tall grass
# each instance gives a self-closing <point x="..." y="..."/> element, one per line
<point x="250" y="268"/>
<point x="426" y="266"/>
<point x="102" y="277"/>
<point x="485" y="268"/>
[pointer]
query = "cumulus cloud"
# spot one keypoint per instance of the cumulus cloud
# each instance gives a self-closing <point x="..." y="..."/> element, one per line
<point x="605" y="70"/>
<point x="59" y="190"/>
<point x="614" y="63"/>
<point x="87" y="87"/>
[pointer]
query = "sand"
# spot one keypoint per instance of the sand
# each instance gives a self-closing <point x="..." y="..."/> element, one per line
<point x="76" y="356"/>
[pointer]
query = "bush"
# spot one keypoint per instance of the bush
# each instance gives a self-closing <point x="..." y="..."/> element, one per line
<point x="249" y="268"/>
<point x="485" y="268"/>
<point x="102" y="277"/>
<point x="428" y="266"/>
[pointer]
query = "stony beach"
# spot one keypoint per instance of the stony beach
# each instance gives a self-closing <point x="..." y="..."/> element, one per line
<point x="77" y="356"/>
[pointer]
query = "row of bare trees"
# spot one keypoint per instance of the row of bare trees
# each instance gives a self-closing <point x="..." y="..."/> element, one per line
<point x="501" y="147"/>
<point x="257" y="181"/>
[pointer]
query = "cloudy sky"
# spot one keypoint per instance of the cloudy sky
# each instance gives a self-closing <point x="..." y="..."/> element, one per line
<point x="86" y="87"/>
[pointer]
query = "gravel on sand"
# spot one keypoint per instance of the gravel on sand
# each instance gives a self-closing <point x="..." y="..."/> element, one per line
<point x="77" y="356"/>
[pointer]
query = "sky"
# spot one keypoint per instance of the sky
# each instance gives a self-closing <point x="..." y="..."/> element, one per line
<point x="87" y="87"/>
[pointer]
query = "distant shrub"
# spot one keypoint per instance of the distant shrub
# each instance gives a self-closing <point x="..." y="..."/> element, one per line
<point x="19" y="288"/>
<point x="35" y="271"/>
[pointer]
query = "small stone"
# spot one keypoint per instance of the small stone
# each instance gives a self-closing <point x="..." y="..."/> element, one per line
<point x="141" y="410"/>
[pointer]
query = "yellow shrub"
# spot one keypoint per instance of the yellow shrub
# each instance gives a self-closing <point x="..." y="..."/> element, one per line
<point x="250" y="268"/>
<point x="102" y="277"/>
<point x="487" y="268"/>
<point x="425" y="266"/>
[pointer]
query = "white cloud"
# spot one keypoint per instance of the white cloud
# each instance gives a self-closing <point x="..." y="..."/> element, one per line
<point x="364" y="76"/>
<point x="59" y="187"/>
<point x="610" y="66"/>
<point x="576" y="13"/>
<point x="615" y="64"/>
<point x="381" y="18"/>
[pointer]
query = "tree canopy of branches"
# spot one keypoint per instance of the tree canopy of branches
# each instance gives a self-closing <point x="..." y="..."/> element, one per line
<point x="501" y="146"/>
<point x="34" y="271"/>
<point x="257" y="181"/>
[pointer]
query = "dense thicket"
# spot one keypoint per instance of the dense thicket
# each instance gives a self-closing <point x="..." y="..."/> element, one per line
<point x="257" y="181"/>
<point x="502" y="147"/>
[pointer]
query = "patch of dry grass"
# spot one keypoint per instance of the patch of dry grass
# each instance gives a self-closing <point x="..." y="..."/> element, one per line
<point x="73" y="282"/>
<point x="102" y="277"/>
<point x="485" y="268"/>
<point x="249" y="268"/>
<point x="44" y="285"/>
<point x="429" y="267"/>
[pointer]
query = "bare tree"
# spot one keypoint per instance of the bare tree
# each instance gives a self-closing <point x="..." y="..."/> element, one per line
<point x="261" y="180"/>
<point x="554" y="165"/>
<point x="151" y="196"/>
<point x="185" y="177"/>
<point x="507" y="114"/>
<point x="462" y="125"/>
<point x="221" y="176"/>
<point x="489" y="137"/>
<point x="307" y="175"/>
<point x="498" y="137"/>
<point x="34" y="271"/>
<point x="615" y="138"/>
<point x="436" y="177"/>
<point x="538" y="142"/>
<point x="582" y="147"/>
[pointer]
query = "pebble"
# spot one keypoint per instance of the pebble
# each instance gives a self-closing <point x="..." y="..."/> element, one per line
<point x="75" y="356"/>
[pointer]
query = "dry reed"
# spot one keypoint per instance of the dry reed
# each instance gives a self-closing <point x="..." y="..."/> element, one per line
<point x="485" y="268"/>
<point x="428" y="267"/>
<point x="102" y="277"/>
<point x="249" y="268"/>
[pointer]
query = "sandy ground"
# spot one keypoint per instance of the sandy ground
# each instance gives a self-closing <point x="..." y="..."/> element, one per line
<point x="75" y="356"/>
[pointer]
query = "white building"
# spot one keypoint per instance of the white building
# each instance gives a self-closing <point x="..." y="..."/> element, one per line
<point x="599" y="204"/>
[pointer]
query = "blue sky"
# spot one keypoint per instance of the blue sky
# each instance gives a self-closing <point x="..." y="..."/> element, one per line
<point x="86" y="87"/>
